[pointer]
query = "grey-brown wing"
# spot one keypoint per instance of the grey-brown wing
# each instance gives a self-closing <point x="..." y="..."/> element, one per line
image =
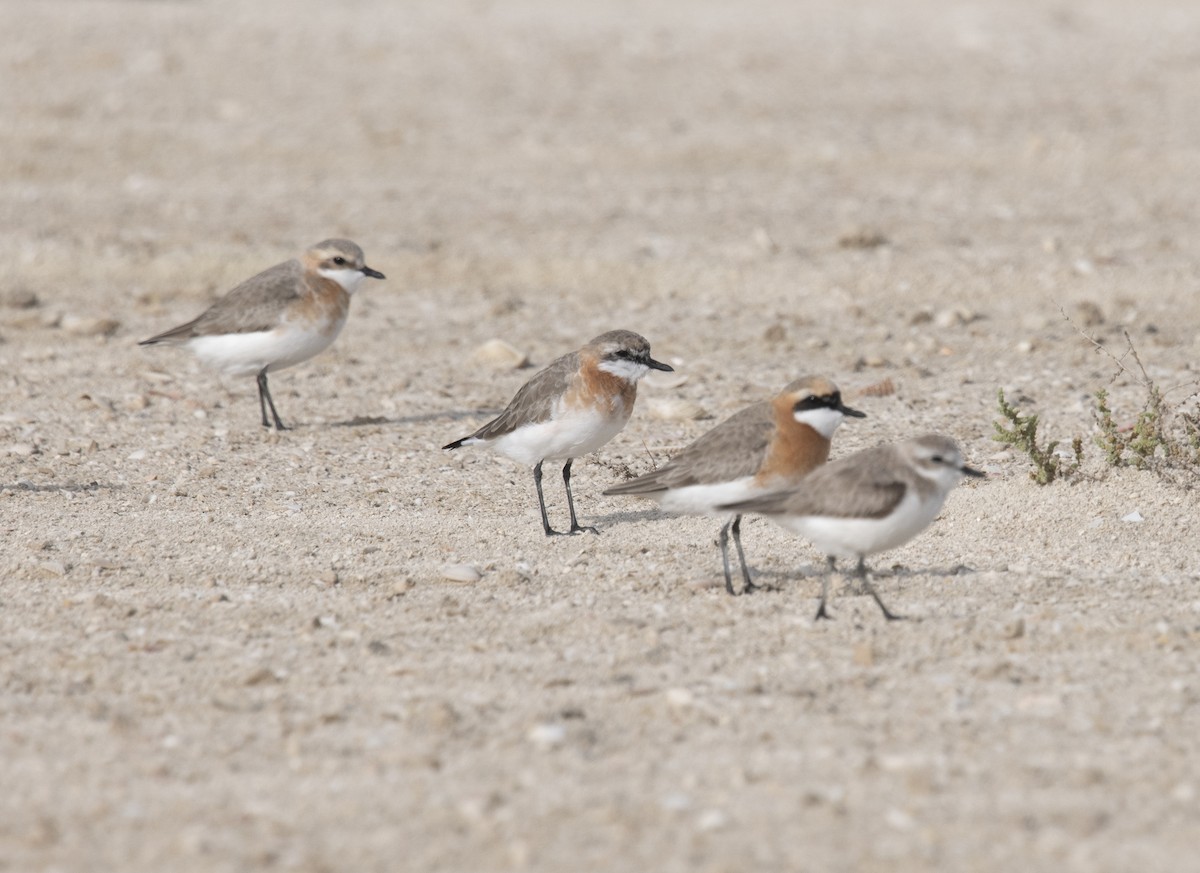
<point x="252" y="306"/>
<point x="733" y="449"/>
<point x="859" y="486"/>
<point x="535" y="401"/>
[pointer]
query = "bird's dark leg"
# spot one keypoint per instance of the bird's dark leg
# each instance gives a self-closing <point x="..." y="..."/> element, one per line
<point x="723" y="542"/>
<point x="749" y="587"/>
<point x="575" y="528"/>
<point x="861" y="572"/>
<point x="829" y="571"/>
<point x="264" y="400"/>
<point x="537" y="480"/>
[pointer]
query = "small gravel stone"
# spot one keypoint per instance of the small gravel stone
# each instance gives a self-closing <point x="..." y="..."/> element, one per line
<point x="674" y="409"/>
<point x="861" y="238"/>
<point x="20" y="298"/>
<point x="547" y="736"/>
<point x="88" y="325"/>
<point x="464" y="573"/>
<point x="499" y="355"/>
<point x="680" y="698"/>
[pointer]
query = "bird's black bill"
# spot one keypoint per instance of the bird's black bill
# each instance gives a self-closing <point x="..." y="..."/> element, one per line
<point x="971" y="471"/>
<point x="374" y="274"/>
<point x="659" y="365"/>
<point x="853" y="413"/>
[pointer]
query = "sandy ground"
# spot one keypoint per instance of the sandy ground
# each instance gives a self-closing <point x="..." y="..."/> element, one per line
<point x="223" y="649"/>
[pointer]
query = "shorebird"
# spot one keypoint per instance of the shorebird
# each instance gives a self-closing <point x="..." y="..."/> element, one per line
<point x="278" y="318"/>
<point x="572" y="407"/>
<point x="765" y="447"/>
<point x="868" y="502"/>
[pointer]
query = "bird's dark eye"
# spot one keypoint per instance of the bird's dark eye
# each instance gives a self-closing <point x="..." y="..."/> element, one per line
<point x="340" y="261"/>
<point x="938" y="459"/>
<point x="622" y="353"/>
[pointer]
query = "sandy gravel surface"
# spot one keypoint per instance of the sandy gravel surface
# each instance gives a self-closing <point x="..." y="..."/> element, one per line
<point x="224" y="649"/>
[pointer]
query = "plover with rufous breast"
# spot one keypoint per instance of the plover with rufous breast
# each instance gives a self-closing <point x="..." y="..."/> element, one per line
<point x="278" y="318"/>
<point x="767" y="446"/>
<point x="572" y="407"/>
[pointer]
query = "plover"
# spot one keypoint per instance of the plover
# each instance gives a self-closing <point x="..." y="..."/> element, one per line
<point x="572" y="407"/>
<point x="868" y="502"/>
<point x="278" y="318"/>
<point x="765" y="447"/>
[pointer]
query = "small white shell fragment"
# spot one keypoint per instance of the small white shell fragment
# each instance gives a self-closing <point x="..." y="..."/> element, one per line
<point x="1134" y="517"/>
<point x="499" y="355"/>
<point x="461" y="573"/>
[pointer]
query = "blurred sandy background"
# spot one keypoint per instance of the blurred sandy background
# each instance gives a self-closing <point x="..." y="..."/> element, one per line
<point x="223" y="649"/>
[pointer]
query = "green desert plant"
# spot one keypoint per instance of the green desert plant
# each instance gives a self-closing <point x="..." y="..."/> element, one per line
<point x="1162" y="438"/>
<point x="1021" y="433"/>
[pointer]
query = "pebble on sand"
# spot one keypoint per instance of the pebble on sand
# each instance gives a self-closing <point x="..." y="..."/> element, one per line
<point x="464" y="573"/>
<point x="87" y="325"/>
<point x="675" y="409"/>
<point x="882" y="388"/>
<point x="954" y="317"/>
<point x="861" y="238"/>
<point x="20" y="298"/>
<point x="547" y="735"/>
<point x="1089" y="313"/>
<point x="499" y="355"/>
<point x="680" y="698"/>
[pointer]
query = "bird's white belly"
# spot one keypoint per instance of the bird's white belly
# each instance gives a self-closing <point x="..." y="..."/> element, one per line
<point x="244" y="354"/>
<point x="571" y="436"/>
<point x="857" y="537"/>
<point x="704" y="499"/>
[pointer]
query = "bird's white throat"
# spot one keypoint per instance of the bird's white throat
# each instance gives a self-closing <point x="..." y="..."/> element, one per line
<point x="347" y="277"/>
<point x="822" y="419"/>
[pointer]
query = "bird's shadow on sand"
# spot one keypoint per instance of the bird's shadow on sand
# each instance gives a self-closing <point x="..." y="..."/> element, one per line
<point x="816" y="571"/>
<point x="612" y="519"/>
<point x="421" y="418"/>
<point x="51" y="488"/>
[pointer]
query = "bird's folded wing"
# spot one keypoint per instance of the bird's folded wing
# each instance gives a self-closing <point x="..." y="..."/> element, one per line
<point x="534" y="403"/>
<point x="734" y="449"/>
<point x="838" y="490"/>
<point x="252" y="306"/>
